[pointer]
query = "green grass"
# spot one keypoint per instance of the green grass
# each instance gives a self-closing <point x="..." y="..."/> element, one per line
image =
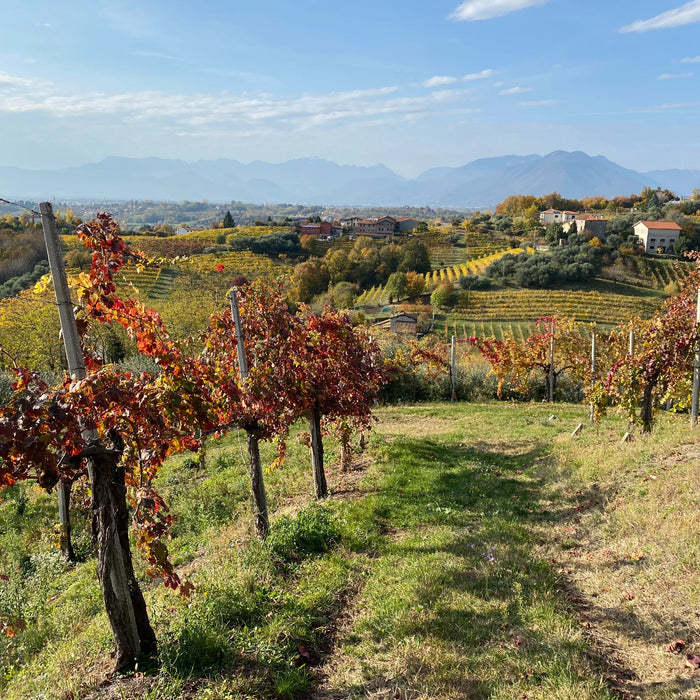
<point x="483" y="553"/>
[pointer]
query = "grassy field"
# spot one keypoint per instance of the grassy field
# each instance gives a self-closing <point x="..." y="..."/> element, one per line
<point x="475" y="551"/>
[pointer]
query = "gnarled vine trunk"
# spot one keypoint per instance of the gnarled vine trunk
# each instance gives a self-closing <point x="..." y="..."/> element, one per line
<point x="320" y="484"/>
<point x="124" y="602"/>
<point x="257" y="486"/>
<point x="63" y="489"/>
<point x="646" y="411"/>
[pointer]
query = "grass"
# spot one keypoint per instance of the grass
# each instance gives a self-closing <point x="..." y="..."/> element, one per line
<point x="482" y="552"/>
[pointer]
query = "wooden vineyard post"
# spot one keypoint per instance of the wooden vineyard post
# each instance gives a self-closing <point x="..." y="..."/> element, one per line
<point x="453" y="382"/>
<point x="124" y="602"/>
<point x="593" y="358"/>
<point x="240" y="348"/>
<point x="261" y="518"/>
<point x="551" y="365"/>
<point x="74" y="355"/>
<point x="696" y="372"/>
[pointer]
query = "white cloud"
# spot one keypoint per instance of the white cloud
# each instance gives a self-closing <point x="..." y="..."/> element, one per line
<point x="685" y="14"/>
<point x="515" y="91"/>
<point x="673" y="76"/>
<point x="211" y="112"/>
<point x="472" y="10"/>
<point x="478" y="76"/>
<point x="538" y="103"/>
<point x="438" y="80"/>
<point x="691" y="59"/>
<point x="14" y="81"/>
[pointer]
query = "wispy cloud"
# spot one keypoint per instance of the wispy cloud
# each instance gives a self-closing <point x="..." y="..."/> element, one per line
<point x="685" y="14"/>
<point x="515" y="91"/>
<point x="538" y="103"/>
<point x="472" y="10"/>
<point x="158" y="54"/>
<point x="206" y="112"/>
<point x="7" y="80"/>
<point x="691" y="59"/>
<point x="440" y="80"/>
<point x="478" y="76"/>
<point x="673" y="76"/>
<point x="671" y="106"/>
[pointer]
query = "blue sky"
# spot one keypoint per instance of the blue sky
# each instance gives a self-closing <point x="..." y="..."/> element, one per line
<point x="412" y="84"/>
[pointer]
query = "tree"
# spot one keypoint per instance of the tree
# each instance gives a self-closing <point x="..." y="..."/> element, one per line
<point x="228" y="221"/>
<point x="442" y="295"/>
<point x="396" y="286"/>
<point x="136" y="420"/>
<point x="264" y="401"/>
<point x="415" y="285"/>
<point x="557" y="346"/>
<point x="662" y="359"/>
<point x="341" y="377"/>
<point x="414" y="257"/>
<point x="310" y="279"/>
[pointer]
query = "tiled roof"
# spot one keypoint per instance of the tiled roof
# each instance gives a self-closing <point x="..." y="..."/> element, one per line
<point x="664" y="225"/>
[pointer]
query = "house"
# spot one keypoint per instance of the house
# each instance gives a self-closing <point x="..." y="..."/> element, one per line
<point x="376" y="228"/>
<point x="321" y="229"/>
<point x="405" y="223"/>
<point x="588" y="223"/>
<point x="657" y="236"/>
<point x="555" y="216"/>
<point x="182" y="230"/>
<point x="402" y="324"/>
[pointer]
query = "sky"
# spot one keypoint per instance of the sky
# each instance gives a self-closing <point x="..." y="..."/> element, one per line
<point x="411" y="84"/>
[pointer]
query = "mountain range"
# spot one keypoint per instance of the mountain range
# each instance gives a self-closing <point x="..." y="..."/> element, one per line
<point x="480" y="183"/>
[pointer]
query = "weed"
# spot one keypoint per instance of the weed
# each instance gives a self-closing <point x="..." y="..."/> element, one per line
<point x="312" y="531"/>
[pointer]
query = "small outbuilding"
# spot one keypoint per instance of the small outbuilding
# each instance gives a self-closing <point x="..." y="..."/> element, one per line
<point x="402" y="324"/>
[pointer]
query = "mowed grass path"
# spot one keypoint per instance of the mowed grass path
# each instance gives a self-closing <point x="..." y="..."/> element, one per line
<point x="521" y="562"/>
<point x="459" y="602"/>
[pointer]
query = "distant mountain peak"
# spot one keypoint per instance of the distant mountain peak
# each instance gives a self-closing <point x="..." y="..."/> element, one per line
<point x="481" y="183"/>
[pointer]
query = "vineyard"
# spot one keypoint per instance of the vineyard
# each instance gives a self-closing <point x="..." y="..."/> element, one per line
<point x="376" y="296"/>
<point x="283" y="583"/>
<point x="650" y="272"/>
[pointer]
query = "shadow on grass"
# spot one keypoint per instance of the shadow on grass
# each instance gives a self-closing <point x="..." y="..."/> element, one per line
<point x="460" y="570"/>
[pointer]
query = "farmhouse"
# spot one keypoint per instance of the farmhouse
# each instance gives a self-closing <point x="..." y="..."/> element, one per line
<point x="657" y="236"/>
<point x="376" y="228"/>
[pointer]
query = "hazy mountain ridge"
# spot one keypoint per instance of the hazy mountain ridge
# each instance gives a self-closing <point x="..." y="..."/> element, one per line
<point x="480" y="183"/>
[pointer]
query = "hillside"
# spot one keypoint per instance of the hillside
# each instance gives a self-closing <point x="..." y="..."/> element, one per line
<point x="455" y="559"/>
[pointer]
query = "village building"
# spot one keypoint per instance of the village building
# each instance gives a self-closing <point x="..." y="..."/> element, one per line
<point x="555" y="216"/>
<point x="657" y="236"/>
<point x="322" y="228"/>
<point x="405" y="223"/>
<point x="376" y="228"/>
<point x="402" y="324"/>
<point x="587" y="223"/>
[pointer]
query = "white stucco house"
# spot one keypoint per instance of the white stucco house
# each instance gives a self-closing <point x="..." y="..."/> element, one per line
<point x="657" y="236"/>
